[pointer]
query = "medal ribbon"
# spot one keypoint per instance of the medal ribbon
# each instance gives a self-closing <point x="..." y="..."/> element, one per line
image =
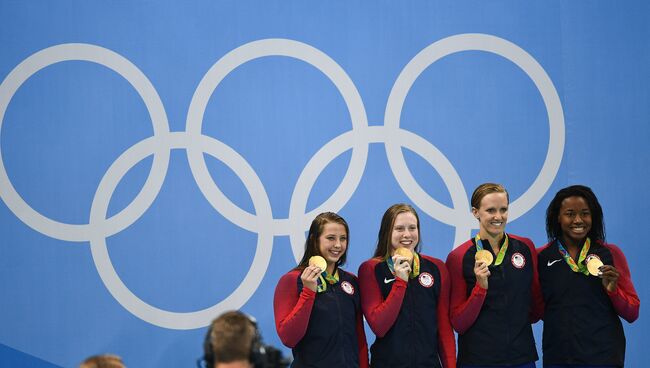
<point x="580" y="267"/>
<point x="502" y="251"/>
<point x="415" y="271"/>
<point x="325" y="279"/>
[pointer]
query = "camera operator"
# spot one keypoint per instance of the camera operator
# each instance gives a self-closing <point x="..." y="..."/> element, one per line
<point x="233" y="341"/>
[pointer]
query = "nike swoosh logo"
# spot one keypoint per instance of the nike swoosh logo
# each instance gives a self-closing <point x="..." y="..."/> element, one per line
<point x="549" y="263"/>
<point x="388" y="281"/>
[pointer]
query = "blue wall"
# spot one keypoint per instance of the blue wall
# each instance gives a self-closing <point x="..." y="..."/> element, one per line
<point x="160" y="161"/>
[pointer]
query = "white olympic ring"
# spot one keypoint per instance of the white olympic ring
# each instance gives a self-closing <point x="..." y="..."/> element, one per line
<point x="232" y="60"/>
<point x="139" y="81"/>
<point x="196" y="144"/>
<point x="459" y="216"/>
<point x="101" y="257"/>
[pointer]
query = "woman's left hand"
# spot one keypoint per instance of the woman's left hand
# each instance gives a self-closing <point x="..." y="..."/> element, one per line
<point x="402" y="267"/>
<point x="610" y="275"/>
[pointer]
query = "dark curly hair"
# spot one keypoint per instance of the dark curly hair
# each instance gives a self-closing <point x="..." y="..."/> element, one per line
<point x="553" y="229"/>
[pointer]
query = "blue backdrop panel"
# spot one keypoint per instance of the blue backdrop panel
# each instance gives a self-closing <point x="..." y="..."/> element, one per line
<point x="161" y="161"/>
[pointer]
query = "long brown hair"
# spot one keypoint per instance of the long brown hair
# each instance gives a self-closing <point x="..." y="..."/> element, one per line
<point x="315" y="231"/>
<point x="386" y="228"/>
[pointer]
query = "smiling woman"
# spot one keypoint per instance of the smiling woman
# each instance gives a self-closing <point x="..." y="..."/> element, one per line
<point x="494" y="285"/>
<point x="318" y="312"/>
<point x="405" y="297"/>
<point x="586" y="285"/>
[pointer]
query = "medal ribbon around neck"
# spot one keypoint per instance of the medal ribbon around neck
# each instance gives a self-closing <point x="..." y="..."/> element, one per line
<point x="580" y="267"/>
<point x="324" y="278"/>
<point x="502" y="251"/>
<point x="415" y="272"/>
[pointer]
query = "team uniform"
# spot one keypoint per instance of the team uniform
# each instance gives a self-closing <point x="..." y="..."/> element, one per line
<point x="494" y="325"/>
<point x="410" y="319"/>
<point x="323" y="329"/>
<point x="581" y="318"/>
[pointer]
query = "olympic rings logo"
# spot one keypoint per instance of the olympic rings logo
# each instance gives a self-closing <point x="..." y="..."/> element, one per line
<point x="262" y="222"/>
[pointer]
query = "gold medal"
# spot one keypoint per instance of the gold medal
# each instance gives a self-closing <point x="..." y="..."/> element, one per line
<point x="593" y="265"/>
<point x="319" y="262"/>
<point x="406" y="253"/>
<point x="484" y="256"/>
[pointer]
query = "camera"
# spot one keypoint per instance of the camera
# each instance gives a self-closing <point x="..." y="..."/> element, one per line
<point x="269" y="357"/>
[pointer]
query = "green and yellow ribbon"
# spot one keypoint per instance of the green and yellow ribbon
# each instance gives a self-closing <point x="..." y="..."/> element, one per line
<point x="580" y="266"/>
<point x="325" y="279"/>
<point x="502" y="251"/>
<point x="415" y="271"/>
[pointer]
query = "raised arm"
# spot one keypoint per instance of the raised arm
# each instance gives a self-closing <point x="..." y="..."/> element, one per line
<point x="292" y="309"/>
<point x="380" y="314"/>
<point x="463" y="309"/>
<point x="624" y="297"/>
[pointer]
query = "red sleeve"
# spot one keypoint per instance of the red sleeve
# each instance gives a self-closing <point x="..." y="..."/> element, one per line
<point x="380" y="314"/>
<point x="292" y="310"/>
<point x="536" y="298"/>
<point x="624" y="298"/>
<point x="364" y="362"/>
<point x="446" y="339"/>
<point x="463" y="310"/>
<point x="539" y="306"/>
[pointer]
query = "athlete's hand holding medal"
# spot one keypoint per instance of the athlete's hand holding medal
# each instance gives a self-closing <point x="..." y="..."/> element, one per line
<point x="311" y="273"/>
<point x="402" y="259"/>
<point x="608" y="273"/>
<point x="483" y="259"/>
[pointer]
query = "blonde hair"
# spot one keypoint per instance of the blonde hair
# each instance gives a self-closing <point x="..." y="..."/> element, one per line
<point x="485" y="189"/>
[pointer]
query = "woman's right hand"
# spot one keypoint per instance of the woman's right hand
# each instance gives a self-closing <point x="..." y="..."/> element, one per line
<point x="309" y="277"/>
<point x="482" y="273"/>
<point x="402" y="267"/>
